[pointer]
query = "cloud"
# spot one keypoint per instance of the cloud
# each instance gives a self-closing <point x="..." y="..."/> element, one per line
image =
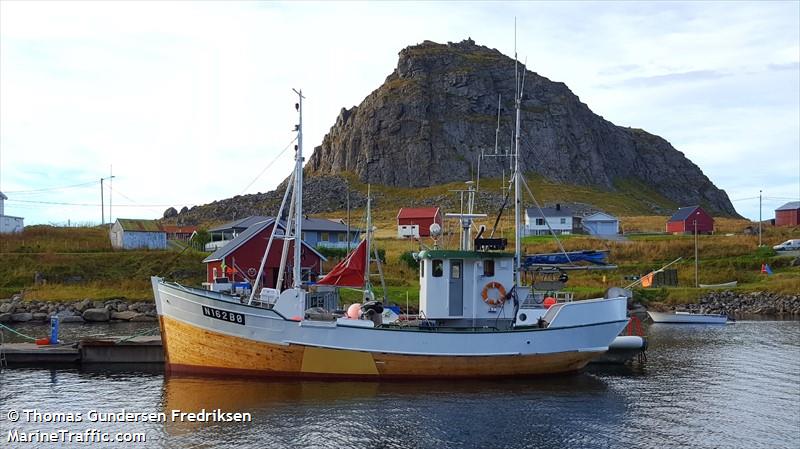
<point x="190" y="100"/>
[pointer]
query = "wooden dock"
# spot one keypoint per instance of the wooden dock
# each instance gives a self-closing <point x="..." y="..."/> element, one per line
<point x="112" y="350"/>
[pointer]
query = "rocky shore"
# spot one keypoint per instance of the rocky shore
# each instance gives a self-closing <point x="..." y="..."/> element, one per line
<point x="749" y="303"/>
<point x="15" y="310"/>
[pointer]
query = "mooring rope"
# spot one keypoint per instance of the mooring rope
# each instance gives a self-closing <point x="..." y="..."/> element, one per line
<point x="143" y="333"/>
<point x="18" y="333"/>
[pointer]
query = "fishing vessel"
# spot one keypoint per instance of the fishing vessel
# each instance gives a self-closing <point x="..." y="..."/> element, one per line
<point x="688" y="318"/>
<point x="476" y="319"/>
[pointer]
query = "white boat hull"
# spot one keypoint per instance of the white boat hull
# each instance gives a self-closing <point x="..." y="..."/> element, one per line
<point x="688" y="318"/>
<point x="258" y="341"/>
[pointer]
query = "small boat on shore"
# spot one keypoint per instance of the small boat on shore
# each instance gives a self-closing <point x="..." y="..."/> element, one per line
<point x="723" y="285"/>
<point x="688" y="318"/>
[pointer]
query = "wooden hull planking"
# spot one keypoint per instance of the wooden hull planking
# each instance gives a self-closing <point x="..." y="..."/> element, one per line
<point x="189" y="349"/>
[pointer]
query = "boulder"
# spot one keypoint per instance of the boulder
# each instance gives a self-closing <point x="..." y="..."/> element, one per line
<point x="97" y="314"/>
<point x="83" y="305"/>
<point x="98" y="304"/>
<point x="21" y="317"/>
<point x="7" y="307"/>
<point x="140" y="318"/>
<point x="121" y="307"/>
<point x="5" y="317"/>
<point x="40" y="316"/>
<point x="71" y="319"/>
<point x="126" y="315"/>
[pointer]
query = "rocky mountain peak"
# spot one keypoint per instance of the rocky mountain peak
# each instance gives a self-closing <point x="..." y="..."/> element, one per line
<point x="437" y="111"/>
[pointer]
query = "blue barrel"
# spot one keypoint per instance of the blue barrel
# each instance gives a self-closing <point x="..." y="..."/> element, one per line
<point x="54" y="330"/>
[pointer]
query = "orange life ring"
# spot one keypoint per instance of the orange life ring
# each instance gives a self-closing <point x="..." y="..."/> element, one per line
<point x="494" y="301"/>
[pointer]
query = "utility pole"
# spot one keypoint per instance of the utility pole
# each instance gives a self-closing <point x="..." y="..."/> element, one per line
<point x="102" y="206"/>
<point x="759" y="218"/>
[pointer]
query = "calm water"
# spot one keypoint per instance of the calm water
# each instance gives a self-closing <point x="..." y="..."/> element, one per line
<point x="735" y="386"/>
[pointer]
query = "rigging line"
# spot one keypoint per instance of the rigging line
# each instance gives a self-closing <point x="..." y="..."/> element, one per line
<point x="525" y="183"/>
<point x="47" y="189"/>
<point x="275" y="159"/>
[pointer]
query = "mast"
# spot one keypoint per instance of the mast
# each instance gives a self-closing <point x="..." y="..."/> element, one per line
<point x="517" y="196"/>
<point x="367" y="285"/>
<point x="297" y="279"/>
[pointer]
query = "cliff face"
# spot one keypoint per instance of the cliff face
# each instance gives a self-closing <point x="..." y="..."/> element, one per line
<point x="433" y="115"/>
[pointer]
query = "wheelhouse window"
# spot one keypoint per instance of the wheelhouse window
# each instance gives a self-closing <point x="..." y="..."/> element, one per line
<point x="488" y="267"/>
<point x="438" y="268"/>
<point x="455" y="271"/>
<point x="422" y="268"/>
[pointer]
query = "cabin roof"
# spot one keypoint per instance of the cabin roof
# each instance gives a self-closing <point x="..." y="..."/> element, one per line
<point x="417" y="212"/>
<point x="684" y="212"/>
<point x="792" y="205"/>
<point x="139" y="225"/>
<point x="245" y="236"/>
<point x="458" y="254"/>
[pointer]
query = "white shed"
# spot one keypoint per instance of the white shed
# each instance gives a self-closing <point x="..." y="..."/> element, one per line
<point x="601" y="223"/>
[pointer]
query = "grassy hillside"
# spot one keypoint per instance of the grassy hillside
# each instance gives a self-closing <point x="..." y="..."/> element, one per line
<point x="77" y="263"/>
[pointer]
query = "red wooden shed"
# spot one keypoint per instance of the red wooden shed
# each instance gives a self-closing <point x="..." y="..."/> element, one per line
<point x="416" y="221"/>
<point x="240" y="259"/>
<point x="685" y="218"/>
<point x="788" y="214"/>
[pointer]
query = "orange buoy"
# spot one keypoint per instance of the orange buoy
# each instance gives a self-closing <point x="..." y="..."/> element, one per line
<point x="43" y="341"/>
<point x="549" y="301"/>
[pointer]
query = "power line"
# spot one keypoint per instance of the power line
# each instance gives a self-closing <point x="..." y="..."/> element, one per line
<point x="57" y="203"/>
<point x="48" y="189"/>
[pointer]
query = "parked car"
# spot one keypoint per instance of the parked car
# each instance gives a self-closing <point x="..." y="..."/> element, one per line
<point x="789" y="245"/>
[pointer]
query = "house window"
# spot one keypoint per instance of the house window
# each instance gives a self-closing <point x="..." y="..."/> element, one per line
<point x="488" y="267"/>
<point x="563" y="221"/>
<point x="438" y="268"/>
<point x="324" y="236"/>
<point x="540" y="222"/>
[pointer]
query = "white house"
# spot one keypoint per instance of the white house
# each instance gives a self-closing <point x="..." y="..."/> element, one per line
<point x="9" y="224"/>
<point x="601" y="223"/>
<point x="560" y="220"/>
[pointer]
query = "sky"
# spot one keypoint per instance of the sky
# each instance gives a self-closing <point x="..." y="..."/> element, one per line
<point x="191" y="102"/>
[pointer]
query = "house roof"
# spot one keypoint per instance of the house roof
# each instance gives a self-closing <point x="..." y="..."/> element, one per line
<point x="242" y="223"/>
<point x="600" y="216"/>
<point x="244" y="237"/>
<point x="309" y="224"/>
<point x="178" y="229"/>
<point x="324" y="224"/>
<point x="683" y="213"/>
<point x="549" y="212"/>
<point x="792" y="205"/>
<point x="137" y="225"/>
<point x="417" y="212"/>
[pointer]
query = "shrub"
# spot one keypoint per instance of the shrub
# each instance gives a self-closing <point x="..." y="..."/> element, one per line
<point x="408" y="258"/>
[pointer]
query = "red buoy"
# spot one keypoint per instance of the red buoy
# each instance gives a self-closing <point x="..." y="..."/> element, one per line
<point x="549" y="301"/>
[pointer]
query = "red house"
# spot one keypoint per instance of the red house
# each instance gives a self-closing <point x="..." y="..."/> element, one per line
<point x="183" y="233"/>
<point x="788" y="214"/>
<point x="415" y="222"/>
<point x="683" y="222"/>
<point x="239" y="260"/>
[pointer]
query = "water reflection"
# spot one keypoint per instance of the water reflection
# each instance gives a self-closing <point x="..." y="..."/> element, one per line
<point x="521" y="413"/>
